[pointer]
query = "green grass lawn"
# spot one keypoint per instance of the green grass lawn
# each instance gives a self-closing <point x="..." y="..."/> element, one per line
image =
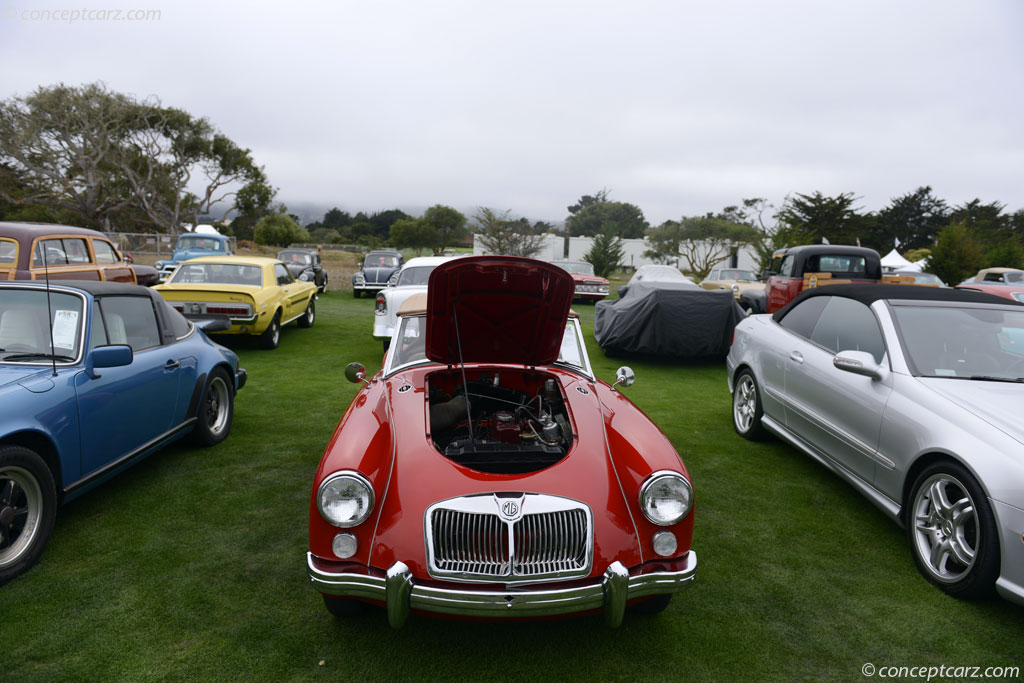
<point x="191" y="566"/>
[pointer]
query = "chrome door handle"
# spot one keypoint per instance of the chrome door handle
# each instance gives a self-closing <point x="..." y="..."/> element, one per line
<point x="171" y="364"/>
<point x="796" y="356"/>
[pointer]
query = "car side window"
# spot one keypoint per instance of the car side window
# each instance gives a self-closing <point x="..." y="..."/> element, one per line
<point x="130" y="320"/>
<point x="802" y="318"/>
<point x="60" y="252"/>
<point x="282" y="274"/>
<point x="104" y="251"/>
<point x="848" y="325"/>
<point x="786" y="269"/>
<point x="99" y="330"/>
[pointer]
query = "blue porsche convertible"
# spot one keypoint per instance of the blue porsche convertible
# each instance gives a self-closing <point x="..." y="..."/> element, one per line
<point x="93" y="377"/>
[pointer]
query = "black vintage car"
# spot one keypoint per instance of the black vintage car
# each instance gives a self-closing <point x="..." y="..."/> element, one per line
<point x="377" y="268"/>
<point x="305" y="265"/>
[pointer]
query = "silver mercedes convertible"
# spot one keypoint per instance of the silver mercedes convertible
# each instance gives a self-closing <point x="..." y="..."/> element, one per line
<point x="915" y="396"/>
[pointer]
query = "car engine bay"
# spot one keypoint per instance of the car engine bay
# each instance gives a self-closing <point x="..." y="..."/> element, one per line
<point x="508" y="422"/>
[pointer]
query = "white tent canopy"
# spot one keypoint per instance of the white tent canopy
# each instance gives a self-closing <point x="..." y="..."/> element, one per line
<point x="893" y="261"/>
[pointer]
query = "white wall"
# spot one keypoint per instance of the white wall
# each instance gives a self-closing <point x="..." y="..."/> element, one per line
<point x="633" y="251"/>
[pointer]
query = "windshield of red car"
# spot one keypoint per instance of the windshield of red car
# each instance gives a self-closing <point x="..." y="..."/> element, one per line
<point x="218" y="273"/>
<point x="962" y="342"/>
<point x="24" y="332"/>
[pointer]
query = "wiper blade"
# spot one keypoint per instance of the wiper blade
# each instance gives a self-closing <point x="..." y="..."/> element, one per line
<point x="27" y="356"/>
<point x="992" y="378"/>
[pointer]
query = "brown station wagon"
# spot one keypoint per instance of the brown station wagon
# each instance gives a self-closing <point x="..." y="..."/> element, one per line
<point x="70" y="254"/>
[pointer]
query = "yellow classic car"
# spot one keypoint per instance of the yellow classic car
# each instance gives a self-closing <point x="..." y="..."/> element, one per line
<point x="258" y="294"/>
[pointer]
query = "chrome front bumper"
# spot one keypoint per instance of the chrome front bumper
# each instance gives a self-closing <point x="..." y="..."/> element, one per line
<point x="401" y="594"/>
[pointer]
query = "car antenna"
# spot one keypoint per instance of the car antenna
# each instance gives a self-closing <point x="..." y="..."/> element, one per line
<point x="49" y="309"/>
<point x="462" y="364"/>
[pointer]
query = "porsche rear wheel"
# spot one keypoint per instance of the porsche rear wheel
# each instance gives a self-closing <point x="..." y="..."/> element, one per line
<point x="28" y="507"/>
<point x="746" y="407"/>
<point x="343" y="607"/>
<point x="952" y="531"/>
<point x="307" y="318"/>
<point x="271" y="337"/>
<point x="216" y="410"/>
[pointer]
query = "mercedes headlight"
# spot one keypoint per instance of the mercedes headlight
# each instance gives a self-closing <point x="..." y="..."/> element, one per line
<point x="666" y="497"/>
<point x="345" y="499"/>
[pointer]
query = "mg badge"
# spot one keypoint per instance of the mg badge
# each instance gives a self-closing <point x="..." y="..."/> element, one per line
<point x="511" y="509"/>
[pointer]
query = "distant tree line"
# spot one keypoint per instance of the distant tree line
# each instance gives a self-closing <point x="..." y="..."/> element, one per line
<point x="93" y="157"/>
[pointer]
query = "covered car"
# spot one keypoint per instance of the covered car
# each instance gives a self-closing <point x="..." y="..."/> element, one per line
<point x="486" y="472"/>
<point x="676" y="319"/>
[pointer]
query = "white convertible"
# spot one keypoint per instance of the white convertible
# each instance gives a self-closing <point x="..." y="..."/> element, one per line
<point x="411" y="279"/>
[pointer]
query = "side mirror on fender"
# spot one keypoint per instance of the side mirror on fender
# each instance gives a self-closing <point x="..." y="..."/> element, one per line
<point x="859" y="363"/>
<point x="355" y="373"/>
<point x="624" y="376"/>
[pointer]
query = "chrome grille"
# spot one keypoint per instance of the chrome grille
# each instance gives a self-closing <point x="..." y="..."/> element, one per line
<point x="478" y="538"/>
<point x="470" y="543"/>
<point x="550" y="543"/>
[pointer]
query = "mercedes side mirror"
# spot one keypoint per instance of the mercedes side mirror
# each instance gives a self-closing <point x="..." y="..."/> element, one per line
<point x="859" y="363"/>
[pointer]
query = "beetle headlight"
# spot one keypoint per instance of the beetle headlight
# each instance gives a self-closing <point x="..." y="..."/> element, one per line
<point x="666" y="497"/>
<point x="345" y="499"/>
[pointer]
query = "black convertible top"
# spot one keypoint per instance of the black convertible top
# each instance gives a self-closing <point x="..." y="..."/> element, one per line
<point x="868" y="294"/>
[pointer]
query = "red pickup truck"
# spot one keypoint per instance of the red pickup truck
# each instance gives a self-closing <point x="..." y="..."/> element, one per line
<point x="811" y="265"/>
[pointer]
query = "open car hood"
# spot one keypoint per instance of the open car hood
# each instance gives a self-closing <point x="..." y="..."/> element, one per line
<point x="499" y="309"/>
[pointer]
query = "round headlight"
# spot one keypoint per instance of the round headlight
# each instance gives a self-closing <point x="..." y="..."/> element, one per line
<point x="345" y="499"/>
<point x="306" y="276"/>
<point x="665" y="498"/>
<point x="664" y="543"/>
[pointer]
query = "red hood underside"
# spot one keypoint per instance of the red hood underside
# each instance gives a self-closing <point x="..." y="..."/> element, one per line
<point x="497" y="309"/>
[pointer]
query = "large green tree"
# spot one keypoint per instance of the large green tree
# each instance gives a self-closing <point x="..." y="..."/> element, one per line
<point x="498" y="233"/>
<point x="956" y="255"/>
<point x="593" y="215"/>
<point x="914" y="219"/>
<point x="280" y="230"/>
<point x="448" y="224"/>
<point x="106" y="155"/>
<point x="605" y="254"/>
<point x="702" y="242"/>
<point x="413" y="233"/>
<point x="835" y="219"/>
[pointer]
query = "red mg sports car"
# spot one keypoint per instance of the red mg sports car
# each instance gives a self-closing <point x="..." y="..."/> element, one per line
<point x="485" y="472"/>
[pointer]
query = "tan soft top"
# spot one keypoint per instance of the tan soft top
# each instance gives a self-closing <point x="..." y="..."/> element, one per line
<point x="414" y="305"/>
<point x="417" y="305"/>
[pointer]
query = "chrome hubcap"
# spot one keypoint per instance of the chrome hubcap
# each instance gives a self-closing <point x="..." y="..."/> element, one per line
<point x="744" y="403"/>
<point x="217" y="403"/>
<point x="945" y="528"/>
<point x="21" y="502"/>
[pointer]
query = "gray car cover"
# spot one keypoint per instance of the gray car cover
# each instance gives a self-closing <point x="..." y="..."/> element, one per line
<point x="668" y="319"/>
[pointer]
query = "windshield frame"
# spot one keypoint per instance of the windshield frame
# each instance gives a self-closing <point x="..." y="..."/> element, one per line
<point x="391" y="366"/>
<point x="84" y="313"/>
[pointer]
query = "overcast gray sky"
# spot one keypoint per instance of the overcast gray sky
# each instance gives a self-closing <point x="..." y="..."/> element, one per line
<point x="678" y="107"/>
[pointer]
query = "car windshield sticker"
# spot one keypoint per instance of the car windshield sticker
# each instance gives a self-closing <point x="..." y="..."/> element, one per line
<point x="65" y="324"/>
